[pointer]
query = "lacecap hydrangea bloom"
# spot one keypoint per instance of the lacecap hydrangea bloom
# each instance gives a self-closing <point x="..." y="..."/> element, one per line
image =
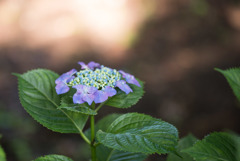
<point x="94" y="83"/>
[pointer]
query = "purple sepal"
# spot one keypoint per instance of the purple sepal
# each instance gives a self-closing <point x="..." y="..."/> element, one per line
<point x="110" y="91"/>
<point x="77" y="98"/>
<point x="84" y="94"/>
<point x="61" y="88"/>
<point x="130" y="78"/>
<point x="66" y="76"/>
<point x="123" y="86"/>
<point x="91" y="65"/>
<point x="102" y="95"/>
<point x="83" y="65"/>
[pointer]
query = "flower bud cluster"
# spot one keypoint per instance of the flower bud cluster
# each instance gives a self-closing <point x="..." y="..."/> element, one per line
<point x="98" y="78"/>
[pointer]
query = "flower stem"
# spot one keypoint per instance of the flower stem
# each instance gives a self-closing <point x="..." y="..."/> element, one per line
<point x="98" y="108"/>
<point x="93" y="147"/>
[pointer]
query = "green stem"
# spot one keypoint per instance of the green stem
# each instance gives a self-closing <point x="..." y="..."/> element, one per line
<point x="93" y="147"/>
<point x="98" y="108"/>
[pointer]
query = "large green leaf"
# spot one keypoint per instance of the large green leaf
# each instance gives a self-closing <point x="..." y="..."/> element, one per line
<point x="2" y="154"/>
<point x="53" y="157"/>
<point x="135" y="132"/>
<point x="233" y="77"/>
<point x="123" y="100"/>
<point x="217" y="146"/>
<point x="106" y="154"/>
<point x="39" y="98"/>
<point x="184" y="143"/>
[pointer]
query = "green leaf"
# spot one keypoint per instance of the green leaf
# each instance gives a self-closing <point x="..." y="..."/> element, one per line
<point x="106" y="154"/>
<point x="2" y="154"/>
<point x="78" y="108"/>
<point x="102" y="124"/>
<point x="123" y="100"/>
<point x="53" y="157"/>
<point x="126" y="156"/>
<point x="184" y="143"/>
<point x="217" y="146"/>
<point x="233" y="77"/>
<point x="39" y="98"/>
<point x="135" y="132"/>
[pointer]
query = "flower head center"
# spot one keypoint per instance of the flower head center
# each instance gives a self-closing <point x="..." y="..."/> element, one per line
<point x="98" y="78"/>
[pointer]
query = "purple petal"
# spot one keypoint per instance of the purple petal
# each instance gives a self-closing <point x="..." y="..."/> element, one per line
<point x="61" y="88"/>
<point x="130" y="78"/>
<point x="89" y="98"/>
<point x="100" y="96"/>
<point x="123" y="86"/>
<point x="122" y="72"/>
<point x="89" y="90"/>
<point x="70" y="79"/>
<point x="93" y="65"/>
<point x="110" y="91"/>
<point x="66" y="76"/>
<point x="83" y="65"/>
<point x="79" y="88"/>
<point x="77" y="98"/>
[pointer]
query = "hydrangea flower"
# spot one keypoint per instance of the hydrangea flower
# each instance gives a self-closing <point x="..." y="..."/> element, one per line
<point x="94" y="83"/>
<point x="61" y="82"/>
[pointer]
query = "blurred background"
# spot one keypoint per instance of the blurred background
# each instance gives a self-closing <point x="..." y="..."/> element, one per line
<point x="171" y="45"/>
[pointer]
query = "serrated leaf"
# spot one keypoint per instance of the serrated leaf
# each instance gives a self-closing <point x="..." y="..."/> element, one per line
<point x="53" y="157"/>
<point x="2" y="154"/>
<point x="106" y="154"/>
<point x="183" y="143"/>
<point x="39" y="98"/>
<point x="135" y="132"/>
<point x="218" y="146"/>
<point x="233" y="77"/>
<point x="123" y="100"/>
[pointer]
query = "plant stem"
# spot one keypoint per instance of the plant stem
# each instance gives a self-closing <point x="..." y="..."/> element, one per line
<point x="98" y="108"/>
<point x="93" y="147"/>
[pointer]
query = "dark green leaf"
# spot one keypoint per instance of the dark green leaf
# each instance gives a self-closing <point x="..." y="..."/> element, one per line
<point x="126" y="156"/>
<point x="78" y="109"/>
<point x="217" y="146"/>
<point x="39" y="98"/>
<point x="123" y="100"/>
<point x="135" y="132"/>
<point x="184" y="143"/>
<point x="233" y="77"/>
<point x="53" y="157"/>
<point x="107" y="154"/>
